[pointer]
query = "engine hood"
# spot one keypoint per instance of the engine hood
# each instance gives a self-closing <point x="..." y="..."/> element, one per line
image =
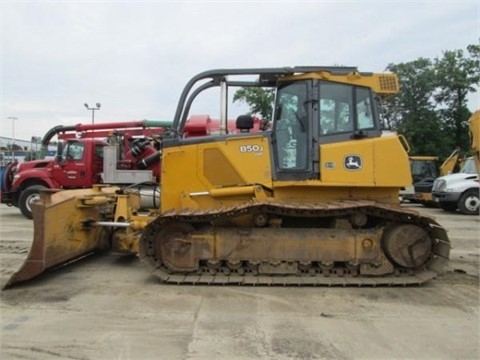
<point x="459" y="177"/>
<point x="34" y="164"/>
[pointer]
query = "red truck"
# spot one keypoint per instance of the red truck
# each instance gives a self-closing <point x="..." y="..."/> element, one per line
<point x="123" y="153"/>
<point x="79" y="161"/>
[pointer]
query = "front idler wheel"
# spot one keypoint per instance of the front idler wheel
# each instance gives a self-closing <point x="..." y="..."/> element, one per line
<point x="407" y="245"/>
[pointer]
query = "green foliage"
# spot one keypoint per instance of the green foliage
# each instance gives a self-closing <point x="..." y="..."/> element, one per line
<point x="431" y="109"/>
<point x="260" y="101"/>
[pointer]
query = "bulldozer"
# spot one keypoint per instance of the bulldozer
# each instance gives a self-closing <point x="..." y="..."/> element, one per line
<point x="312" y="199"/>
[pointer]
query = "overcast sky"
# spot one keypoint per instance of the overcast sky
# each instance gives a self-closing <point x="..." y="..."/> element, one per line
<point x="134" y="57"/>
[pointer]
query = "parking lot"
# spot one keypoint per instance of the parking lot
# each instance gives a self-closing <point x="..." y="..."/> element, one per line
<point x="109" y="307"/>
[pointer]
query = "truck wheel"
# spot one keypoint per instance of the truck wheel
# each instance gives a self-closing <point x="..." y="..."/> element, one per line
<point x="469" y="203"/>
<point x="28" y="196"/>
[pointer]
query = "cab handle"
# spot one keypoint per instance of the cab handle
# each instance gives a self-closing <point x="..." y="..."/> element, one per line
<point x="404" y="143"/>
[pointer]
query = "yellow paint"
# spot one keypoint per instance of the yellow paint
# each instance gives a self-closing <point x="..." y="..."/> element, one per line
<point x="237" y="169"/>
<point x="384" y="163"/>
<point x="474" y="124"/>
<point x="221" y="167"/>
<point x="383" y="84"/>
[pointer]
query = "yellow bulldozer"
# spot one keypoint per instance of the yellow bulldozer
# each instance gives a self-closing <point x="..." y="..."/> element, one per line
<point x="310" y="200"/>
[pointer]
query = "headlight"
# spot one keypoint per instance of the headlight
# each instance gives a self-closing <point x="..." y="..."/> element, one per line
<point x="439" y="185"/>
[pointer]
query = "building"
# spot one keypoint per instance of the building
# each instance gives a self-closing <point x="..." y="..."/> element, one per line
<point x="22" y="149"/>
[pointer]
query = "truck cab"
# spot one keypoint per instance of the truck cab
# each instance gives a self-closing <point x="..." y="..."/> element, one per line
<point x="78" y="164"/>
<point x="459" y="191"/>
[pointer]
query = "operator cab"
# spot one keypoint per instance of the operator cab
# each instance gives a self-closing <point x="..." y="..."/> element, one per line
<point x="312" y="112"/>
<point x="315" y="109"/>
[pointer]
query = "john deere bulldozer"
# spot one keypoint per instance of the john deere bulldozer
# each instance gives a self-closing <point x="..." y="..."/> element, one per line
<point x="310" y="200"/>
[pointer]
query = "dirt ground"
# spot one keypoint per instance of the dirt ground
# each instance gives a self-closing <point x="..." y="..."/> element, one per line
<point x="109" y="307"/>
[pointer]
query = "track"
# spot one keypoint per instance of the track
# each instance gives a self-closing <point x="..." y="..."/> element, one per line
<point x="225" y="270"/>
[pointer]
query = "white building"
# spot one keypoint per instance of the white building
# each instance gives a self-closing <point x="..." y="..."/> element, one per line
<point x="22" y="148"/>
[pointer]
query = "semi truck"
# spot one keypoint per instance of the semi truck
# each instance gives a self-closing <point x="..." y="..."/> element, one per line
<point x="459" y="191"/>
<point x="462" y="190"/>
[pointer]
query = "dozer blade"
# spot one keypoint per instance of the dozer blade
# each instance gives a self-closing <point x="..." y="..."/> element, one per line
<point x="60" y="234"/>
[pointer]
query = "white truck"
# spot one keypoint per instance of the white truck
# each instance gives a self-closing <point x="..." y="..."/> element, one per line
<point x="459" y="191"/>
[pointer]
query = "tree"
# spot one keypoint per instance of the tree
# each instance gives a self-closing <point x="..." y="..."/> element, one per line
<point x="260" y="100"/>
<point x="412" y="111"/>
<point x="431" y="110"/>
<point x="457" y="76"/>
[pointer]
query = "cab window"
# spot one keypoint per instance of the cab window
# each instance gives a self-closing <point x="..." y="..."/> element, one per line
<point x="364" y="109"/>
<point x="336" y="115"/>
<point x="74" y="151"/>
<point x="99" y="151"/>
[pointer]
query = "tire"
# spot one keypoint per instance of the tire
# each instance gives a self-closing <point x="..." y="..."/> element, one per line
<point x="27" y="197"/>
<point x="469" y="203"/>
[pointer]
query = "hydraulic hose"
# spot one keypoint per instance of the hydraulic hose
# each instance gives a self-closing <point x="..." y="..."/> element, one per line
<point x="100" y="126"/>
<point x="49" y="135"/>
<point x="148" y="161"/>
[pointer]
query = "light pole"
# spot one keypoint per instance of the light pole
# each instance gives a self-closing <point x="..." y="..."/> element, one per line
<point x="93" y="110"/>
<point x="13" y="118"/>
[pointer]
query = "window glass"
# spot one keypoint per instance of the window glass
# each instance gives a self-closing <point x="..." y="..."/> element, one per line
<point x="468" y="167"/>
<point x="364" y="109"/>
<point x="74" y="151"/>
<point x="336" y="115"/>
<point x="291" y="126"/>
<point x="421" y="169"/>
<point x="99" y="151"/>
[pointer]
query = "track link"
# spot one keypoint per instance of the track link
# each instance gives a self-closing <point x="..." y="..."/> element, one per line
<point x="315" y="274"/>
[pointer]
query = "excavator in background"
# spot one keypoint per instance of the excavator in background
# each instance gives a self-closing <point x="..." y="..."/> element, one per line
<point x="313" y="200"/>
<point x="86" y="150"/>
<point x="421" y="167"/>
<point x="474" y="126"/>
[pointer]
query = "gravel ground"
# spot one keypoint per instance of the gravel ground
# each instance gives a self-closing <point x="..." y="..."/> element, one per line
<point x="109" y="307"/>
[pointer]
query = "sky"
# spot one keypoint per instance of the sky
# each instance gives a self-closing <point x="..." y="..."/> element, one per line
<point x="134" y="57"/>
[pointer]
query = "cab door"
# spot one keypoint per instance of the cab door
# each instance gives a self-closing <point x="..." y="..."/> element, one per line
<point x="293" y="137"/>
<point x="73" y="169"/>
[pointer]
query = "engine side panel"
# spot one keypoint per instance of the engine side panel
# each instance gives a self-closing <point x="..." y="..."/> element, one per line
<point x="191" y="172"/>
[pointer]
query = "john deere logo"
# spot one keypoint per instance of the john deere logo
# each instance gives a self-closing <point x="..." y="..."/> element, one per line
<point x="353" y="162"/>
